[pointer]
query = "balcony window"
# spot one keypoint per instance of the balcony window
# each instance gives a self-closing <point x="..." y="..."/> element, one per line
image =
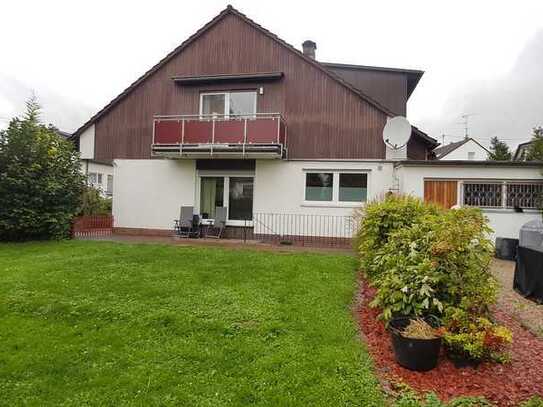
<point x="353" y="187"/>
<point x="319" y="186"/>
<point x="225" y="104"/>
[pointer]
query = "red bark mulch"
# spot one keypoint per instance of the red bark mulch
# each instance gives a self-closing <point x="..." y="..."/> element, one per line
<point x="505" y="385"/>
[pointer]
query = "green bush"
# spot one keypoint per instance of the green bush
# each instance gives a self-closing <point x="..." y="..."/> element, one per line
<point x="93" y="203"/>
<point x="425" y="260"/>
<point x="379" y="219"/>
<point x="475" y="337"/>
<point x="432" y="261"/>
<point x="40" y="180"/>
<point x="535" y="401"/>
<point x="411" y="399"/>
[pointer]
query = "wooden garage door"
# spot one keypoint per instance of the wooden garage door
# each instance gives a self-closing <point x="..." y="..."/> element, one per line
<point x="443" y="193"/>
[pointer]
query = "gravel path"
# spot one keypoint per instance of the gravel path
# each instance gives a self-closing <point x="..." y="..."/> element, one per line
<point x="528" y="313"/>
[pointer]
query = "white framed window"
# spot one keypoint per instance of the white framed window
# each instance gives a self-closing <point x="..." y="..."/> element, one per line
<point x="234" y="190"/>
<point x="335" y="187"/>
<point x="226" y="104"/>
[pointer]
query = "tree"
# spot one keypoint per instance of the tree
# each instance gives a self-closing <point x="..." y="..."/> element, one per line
<point x="499" y="151"/>
<point x="535" y="150"/>
<point x="40" y="179"/>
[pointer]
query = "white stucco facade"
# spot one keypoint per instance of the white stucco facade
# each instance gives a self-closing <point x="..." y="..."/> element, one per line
<point x="504" y="222"/>
<point x="467" y="151"/>
<point x="86" y="143"/>
<point x="149" y="193"/>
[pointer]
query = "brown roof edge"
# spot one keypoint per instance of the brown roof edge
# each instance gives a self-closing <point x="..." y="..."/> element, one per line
<point x="453" y="163"/>
<point x="228" y="10"/>
<point x="424" y="136"/>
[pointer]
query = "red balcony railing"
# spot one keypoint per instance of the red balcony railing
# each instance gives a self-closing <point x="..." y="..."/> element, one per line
<point x="261" y="135"/>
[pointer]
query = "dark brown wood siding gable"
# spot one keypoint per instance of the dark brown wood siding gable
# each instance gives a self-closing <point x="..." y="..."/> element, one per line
<point x="324" y="118"/>
<point x="388" y="88"/>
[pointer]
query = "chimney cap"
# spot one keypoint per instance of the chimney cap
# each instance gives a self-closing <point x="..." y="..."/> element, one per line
<point x="309" y="43"/>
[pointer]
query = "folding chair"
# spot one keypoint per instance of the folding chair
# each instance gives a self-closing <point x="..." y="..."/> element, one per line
<point x="219" y="223"/>
<point x="188" y="224"/>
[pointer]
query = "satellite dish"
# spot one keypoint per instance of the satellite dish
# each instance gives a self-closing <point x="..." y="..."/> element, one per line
<point x="397" y="132"/>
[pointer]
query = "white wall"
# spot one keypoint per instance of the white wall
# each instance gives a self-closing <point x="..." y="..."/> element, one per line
<point x="461" y="153"/>
<point x="86" y="143"/>
<point x="504" y="222"/>
<point x="280" y="189"/>
<point x="149" y="193"/>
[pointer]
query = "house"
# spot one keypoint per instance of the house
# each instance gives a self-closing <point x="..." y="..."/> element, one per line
<point x="465" y="149"/>
<point x="235" y="117"/>
<point x="521" y="151"/>
<point x="99" y="174"/>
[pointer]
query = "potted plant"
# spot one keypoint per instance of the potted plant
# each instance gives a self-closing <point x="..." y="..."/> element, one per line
<point x="416" y="342"/>
<point x="470" y="339"/>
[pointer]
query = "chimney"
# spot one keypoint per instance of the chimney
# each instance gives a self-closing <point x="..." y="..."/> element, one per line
<point x="309" y="48"/>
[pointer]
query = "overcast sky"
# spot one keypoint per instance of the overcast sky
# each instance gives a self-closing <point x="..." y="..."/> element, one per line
<point x="483" y="58"/>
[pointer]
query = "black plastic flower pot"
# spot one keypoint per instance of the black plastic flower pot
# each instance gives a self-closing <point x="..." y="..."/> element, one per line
<point x="413" y="354"/>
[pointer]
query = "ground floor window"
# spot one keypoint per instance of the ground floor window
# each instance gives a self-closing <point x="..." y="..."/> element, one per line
<point x="318" y="186"/>
<point x="353" y="187"/>
<point x="348" y="187"/>
<point x="235" y="193"/>
<point x="503" y="194"/>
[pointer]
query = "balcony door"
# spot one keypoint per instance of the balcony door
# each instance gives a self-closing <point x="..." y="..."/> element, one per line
<point x="233" y="191"/>
<point x="228" y="104"/>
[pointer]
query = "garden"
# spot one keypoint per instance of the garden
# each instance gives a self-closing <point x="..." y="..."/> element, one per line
<point x="427" y="306"/>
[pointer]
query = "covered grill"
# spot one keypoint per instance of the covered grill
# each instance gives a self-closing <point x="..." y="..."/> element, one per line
<point x="528" y="279"/>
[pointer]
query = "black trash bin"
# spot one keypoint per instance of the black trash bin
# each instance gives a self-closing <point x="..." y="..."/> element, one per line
<point x="413" y="354"/>
<point x="506" y="248"/>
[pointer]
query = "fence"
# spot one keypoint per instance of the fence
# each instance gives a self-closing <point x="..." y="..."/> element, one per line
<point x="93" y="225"/>
<point x="305" y="230"/>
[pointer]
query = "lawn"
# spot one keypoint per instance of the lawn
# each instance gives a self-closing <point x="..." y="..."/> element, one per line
<point x="98" y="323"/>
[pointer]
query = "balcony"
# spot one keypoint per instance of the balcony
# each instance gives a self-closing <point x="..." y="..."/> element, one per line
<point x="262" y="135"/>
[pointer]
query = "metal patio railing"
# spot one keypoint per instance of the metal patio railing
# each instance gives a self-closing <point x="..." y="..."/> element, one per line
<point x="305" y="230"/>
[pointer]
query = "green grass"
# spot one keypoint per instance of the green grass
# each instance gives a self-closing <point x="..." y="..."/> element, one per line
<point x="97" y="323"/>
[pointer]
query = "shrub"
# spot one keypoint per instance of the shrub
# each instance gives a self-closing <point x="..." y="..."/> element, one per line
<point x="475" y="337"/>
<point x="93" y="203"/>
<point x="435" y="263"/>
<point x="40" y="180"/>
<point x="412" y="399"/>
<point x="379" y="219"/>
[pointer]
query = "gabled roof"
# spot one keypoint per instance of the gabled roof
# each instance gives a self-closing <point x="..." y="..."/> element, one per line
<point x="229" y="10"/>
<point x="442" y="151"/>
<point x="413" y="75"/>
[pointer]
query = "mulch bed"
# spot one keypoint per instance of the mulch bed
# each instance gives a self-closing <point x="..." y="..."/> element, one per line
<point x="505" y="385"/>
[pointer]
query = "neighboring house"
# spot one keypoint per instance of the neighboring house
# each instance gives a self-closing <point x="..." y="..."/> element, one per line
<point x="99" y="173"/>
<point x="522" y="151"/>
<point x="235" y="117"/>
<point x="466" y="149"/>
